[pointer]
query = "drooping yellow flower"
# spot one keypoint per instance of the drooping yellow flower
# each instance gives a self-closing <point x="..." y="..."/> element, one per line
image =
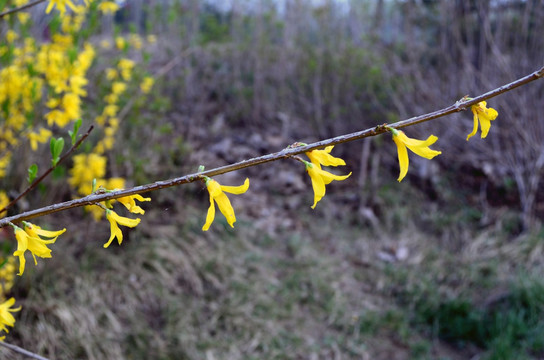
<point x="323" y="157"/>
<point x="485" y="116"/>
<point x="419" y="147"/>
<point x="108" y="7"/>
<point x="6" y="319"/>
<point x="217" y="193"/>
<point x="115" y="219"/>
<point x="29" y="239"/>
<point x="320" y="178"/>
<point x="61" y="6"/>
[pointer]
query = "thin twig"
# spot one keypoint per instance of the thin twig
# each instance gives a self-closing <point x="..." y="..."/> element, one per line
<point x="285" y="153"/>
<point x="20" y="8"/>
<point x="44" y="175"/>
<point x="22" y="351"/>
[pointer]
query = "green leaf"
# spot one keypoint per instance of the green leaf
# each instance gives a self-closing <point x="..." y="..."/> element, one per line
<point x="56" y="149"/>
<point x="73" y="134"/>
<point x="32" y="173"/>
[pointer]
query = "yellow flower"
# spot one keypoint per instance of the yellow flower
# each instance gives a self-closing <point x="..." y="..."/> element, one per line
<point x="130" y="204"/>
<point x="61" y="6"/>
<point x="111" y="74"/>
<point x="4" y="201"/>
<point x="419" y="147"/>
<point x="29" y="239"/>
<point x="126" y="66"/>
<point x="108" y="7"/>
<point x="323" y="157"/>
<point x="6" y="319"/>
<point x="118" y="87"/>
<point x="320" y="178"/>
<point x="147" y="84"/>
<point x="120" y="43"/>
<point x="217" y="193"/>
<point x="11" y="36"/>
<point x="115" y="219"/>
<point x="40" y="137"/>
<point x="485" y="115"/>
<point x="151" y="39"/>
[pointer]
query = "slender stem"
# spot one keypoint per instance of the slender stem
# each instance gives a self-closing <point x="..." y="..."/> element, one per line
<point x="285" y="153"/>
<point x="20" y="8"/>
<point x="22" y="351"/>
<point x="44" y="175"/>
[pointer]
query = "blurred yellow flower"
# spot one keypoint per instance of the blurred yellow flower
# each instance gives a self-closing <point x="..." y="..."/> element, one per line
<point x="4" y="201"/>
<point x="120" y="43"/>
<point x="41" y="137"/>
<point x="320" y="178"/>
<point x="115" y="219"/>
<point x="419" y="147"/>
<point x="6" y="319"/>
<point x="485" y="116"/>
<point x="125" y="66"/>
<point x="61" y="6"/>
<point x="147" y="84"/>
<point x="151" y="39"/>
<point x="118" y="87"/>
<point x="217" y="193"/>
<point x="11" y="36"/>
<point x="29" y="239"/>
<point x="108" y="7"/>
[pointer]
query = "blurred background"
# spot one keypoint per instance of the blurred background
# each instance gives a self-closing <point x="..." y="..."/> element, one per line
<point x="446" y="264"/>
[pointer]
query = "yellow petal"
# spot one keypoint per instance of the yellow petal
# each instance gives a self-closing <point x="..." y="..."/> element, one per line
<point x="403" y="158"/>
<point x="424" y="151"/>
<point x="475" y="128"/>
<point x="237" y="190"/>
<point x="317" y="184"/>
<point x="485" y="125"/>
<point x="114" y="230"/>
<point x="322" y="157"/>
<point x="415" y="142"/>
<point x="124" y="220"/>
<point x="226" y="209"/>
<point x="210" y="216"/>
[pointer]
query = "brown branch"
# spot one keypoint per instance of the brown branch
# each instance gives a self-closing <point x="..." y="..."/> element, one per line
<point x="44" y="175"/>
<point x="285" y="153"/>
<point x="20" y="8"/>
<point x="22" y="351"/>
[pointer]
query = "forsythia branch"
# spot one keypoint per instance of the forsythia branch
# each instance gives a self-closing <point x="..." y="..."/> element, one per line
<point x="285" y="153"/>
<point x="22" y="351"/>
<point x="20" y="8"/>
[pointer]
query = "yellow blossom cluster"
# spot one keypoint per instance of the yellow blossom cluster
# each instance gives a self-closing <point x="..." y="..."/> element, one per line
<point x="53" y="75"/>
<point x="7" y="275"/>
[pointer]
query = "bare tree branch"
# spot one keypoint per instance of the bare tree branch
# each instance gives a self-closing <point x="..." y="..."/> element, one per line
<point x="20" y="8"/>
<point x="285" y="153"/>
<point x="22" y="351"/>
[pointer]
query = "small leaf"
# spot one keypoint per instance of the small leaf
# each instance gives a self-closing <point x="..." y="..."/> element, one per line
<point x="32" y="173"/>
<point x="56" y="149"/>
<point x="94" y="185"/>
<point x="59" y="145"/>
<point x="73" y="134"/>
